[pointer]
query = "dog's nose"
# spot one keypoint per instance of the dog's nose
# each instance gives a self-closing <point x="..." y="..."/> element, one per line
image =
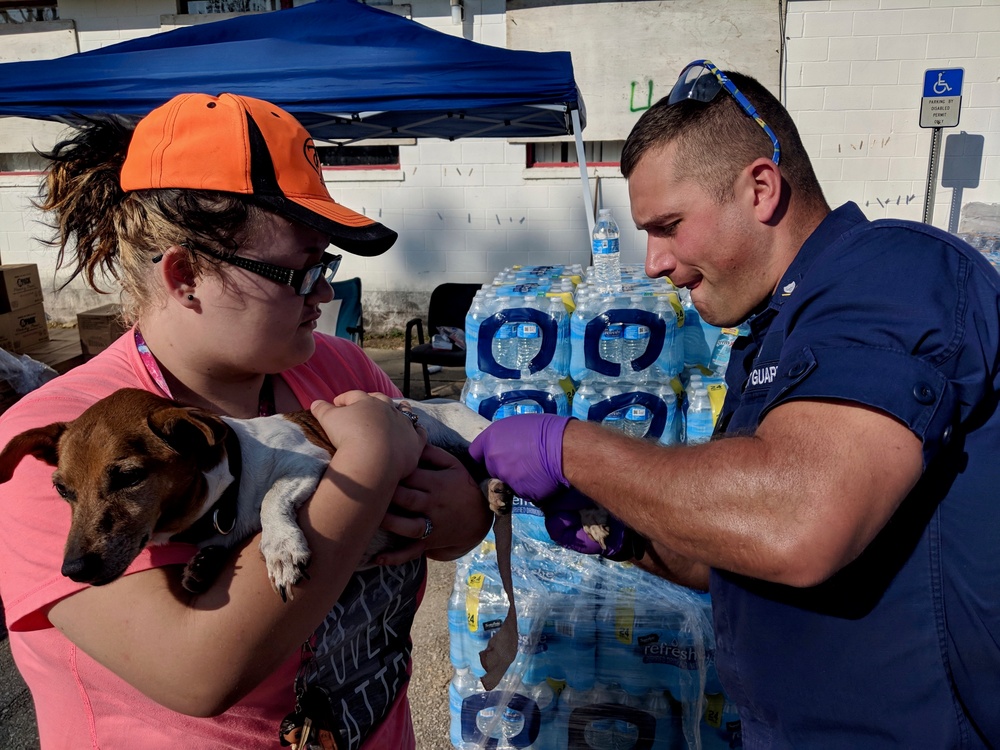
<point x="83" y="569"/>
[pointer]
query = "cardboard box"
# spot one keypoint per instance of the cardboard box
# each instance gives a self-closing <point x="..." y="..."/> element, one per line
<point x="99" y="327"/>
<point x="23" y="328"/>
<point x="20" y="287"/>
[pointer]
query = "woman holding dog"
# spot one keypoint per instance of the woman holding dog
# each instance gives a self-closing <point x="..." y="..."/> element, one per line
<point x="213" y="216"/>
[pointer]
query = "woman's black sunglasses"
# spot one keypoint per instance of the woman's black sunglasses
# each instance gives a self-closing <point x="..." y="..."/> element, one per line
<point x="303" y="280"/>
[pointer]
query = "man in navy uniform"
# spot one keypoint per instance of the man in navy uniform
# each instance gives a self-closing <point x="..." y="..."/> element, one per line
<point x="845" y="517"/>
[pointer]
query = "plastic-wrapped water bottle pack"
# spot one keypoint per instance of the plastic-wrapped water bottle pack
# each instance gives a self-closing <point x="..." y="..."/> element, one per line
<point x="608" y="656"/>
<point x="517" y="342"/>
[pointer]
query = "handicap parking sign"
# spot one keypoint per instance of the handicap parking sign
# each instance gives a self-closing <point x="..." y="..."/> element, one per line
<point x="947" y="82"/>
<point x="942" y="101"/>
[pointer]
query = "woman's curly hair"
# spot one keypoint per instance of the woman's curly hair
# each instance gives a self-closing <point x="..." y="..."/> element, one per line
<point x="101" y="230"/>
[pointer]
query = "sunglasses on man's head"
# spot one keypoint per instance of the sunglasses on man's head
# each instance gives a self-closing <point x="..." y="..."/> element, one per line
<point x="702" y="80"/>
<point x="303" y="280"/>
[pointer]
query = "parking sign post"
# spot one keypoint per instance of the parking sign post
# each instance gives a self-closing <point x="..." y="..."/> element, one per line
<point x="940" y="107"/>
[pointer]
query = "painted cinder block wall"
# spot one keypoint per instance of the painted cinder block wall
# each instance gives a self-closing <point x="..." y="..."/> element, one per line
<point x="853" y="78"/>
<point x="854" y="83"/>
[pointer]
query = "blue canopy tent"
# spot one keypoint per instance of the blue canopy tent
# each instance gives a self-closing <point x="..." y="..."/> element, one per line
<point x="347" y="71"/>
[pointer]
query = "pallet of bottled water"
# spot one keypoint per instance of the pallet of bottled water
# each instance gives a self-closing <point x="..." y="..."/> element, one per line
<point x="517" y="342"/>
<point x="608" y="656"/>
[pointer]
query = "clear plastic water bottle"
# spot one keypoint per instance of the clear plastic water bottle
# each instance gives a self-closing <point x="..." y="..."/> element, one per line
<point x="545" y="698"/>
<point x="476" y="315"/>
<point x="555" y="390"/>
<point x="634" y="342"/>
<point x="505" y="344"/>
<point x="671" y="432"/>
<point x="721" y="728"/>
<point x="560" y="360"/>
<point x="578" y="629"/>
<point x="529" y="340"/>
<point x="458" y="625"/>
<point x="614" y="419"/>
<point x="486" y="612"/>
<point x="724" y="348"/>
<point x="607" y="260"/>
<point x="637" y="420"/>
<point x="671" y="357"/>
<point x="610" y="345"/>
<point x="698" y="413"/>
<point x="463" y="685"/>
<point x="583" y="399"/>
<point x="477" y="390"/>
<point x="669" y="725"/>
<point x="570" y="699"/>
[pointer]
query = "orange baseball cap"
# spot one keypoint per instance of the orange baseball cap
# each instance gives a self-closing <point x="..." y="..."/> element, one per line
<point x="236" y="144"/>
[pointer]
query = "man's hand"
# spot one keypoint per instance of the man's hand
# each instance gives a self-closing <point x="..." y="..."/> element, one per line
<point x="524" y="451"/>
<point x="575" y="522"/>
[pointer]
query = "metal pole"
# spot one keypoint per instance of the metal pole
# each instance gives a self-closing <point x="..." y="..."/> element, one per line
<point x="932" y="171"/>
<point x="588" y="201"/>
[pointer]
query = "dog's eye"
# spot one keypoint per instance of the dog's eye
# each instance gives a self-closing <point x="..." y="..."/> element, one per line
<point x="61" y="490"/>
<point x="120" y="478"/>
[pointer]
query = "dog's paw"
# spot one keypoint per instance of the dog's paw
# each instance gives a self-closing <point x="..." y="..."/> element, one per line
<point x="595" y="525"/>
<point x="499" y="496"/>
<point x="204" y="568"/>
<point x="287" y="557"/>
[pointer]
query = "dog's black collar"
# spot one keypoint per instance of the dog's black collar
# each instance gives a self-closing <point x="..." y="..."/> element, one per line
<point x="221" y="517"/>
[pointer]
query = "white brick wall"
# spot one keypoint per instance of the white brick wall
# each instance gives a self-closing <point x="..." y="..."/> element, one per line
<point x="868" y="119"/>
<point x="466" y="209"/>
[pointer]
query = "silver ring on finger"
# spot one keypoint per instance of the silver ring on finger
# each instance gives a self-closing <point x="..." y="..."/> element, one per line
<point x="412" y="416"/>
<point x="428" y="528"/>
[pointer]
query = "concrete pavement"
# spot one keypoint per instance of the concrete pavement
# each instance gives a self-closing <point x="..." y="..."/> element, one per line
<point x="431" y="668"/>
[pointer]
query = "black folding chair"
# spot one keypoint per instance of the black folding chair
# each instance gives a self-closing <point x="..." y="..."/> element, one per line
<point x="349" y="323"/>
<point x="448" y="307"/>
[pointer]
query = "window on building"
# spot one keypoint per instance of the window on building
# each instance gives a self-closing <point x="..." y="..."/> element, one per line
<point x="22" y="162"/>
<point x="358" y="157"/>
<point x="198" y="7"/>
<point x="563" y="153"/>
<point x="28" y="11"/>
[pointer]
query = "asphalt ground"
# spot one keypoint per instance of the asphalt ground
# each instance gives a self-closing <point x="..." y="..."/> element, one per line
<point x="431" y="668"/>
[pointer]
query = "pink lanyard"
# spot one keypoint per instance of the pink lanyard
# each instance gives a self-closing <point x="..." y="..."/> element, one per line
<point x="265" y="407"/>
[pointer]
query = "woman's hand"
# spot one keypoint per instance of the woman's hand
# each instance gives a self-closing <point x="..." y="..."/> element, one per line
<point x="371" y="427"/>
<point x="443" y="510"/>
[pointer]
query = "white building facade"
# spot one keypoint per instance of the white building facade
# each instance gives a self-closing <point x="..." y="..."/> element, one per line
<point x="850" y="71"/>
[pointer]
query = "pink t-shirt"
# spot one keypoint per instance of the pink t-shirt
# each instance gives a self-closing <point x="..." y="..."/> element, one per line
<point x="78" y="702"/>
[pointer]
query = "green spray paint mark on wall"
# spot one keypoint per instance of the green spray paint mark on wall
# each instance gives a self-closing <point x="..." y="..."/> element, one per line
<point x="649" y="98"/>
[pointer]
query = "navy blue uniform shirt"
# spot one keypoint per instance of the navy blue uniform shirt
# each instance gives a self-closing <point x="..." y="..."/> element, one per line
<point x="901" y="648"/>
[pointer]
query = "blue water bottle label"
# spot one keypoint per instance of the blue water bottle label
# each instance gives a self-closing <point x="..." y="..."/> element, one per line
<point x="605" y="247"/>
<point x="636" y="333"/>
<point x="614" y="419"/>
<point x="527" y="331"/>
<point x="612" y="332"/>
<point x="637" y="413"/>
<point x="507" y="410"/>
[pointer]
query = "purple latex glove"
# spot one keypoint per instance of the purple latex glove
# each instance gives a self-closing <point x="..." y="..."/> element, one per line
<point x="525" y="452"/>
<point x="564" y="523"/>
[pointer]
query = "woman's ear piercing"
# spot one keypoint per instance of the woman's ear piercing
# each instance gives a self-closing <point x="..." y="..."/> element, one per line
<point x="190" y="297"/>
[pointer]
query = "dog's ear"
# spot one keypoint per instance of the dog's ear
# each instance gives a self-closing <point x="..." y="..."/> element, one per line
<point x="40" y="442"/>
<point x="185" y="428"/>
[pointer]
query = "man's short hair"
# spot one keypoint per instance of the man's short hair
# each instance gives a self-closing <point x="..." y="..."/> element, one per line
<point x="718" y="139"/>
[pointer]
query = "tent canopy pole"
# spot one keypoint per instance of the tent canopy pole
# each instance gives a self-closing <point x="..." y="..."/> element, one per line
<point x="588" y="202"/>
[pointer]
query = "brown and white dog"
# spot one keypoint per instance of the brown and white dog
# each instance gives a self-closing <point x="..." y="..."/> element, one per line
<point x="137" y="469"/>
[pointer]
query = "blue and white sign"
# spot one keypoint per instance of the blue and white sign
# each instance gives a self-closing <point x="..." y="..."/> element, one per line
<point x="946" y="82"/>
<point x="942" y="100"/>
